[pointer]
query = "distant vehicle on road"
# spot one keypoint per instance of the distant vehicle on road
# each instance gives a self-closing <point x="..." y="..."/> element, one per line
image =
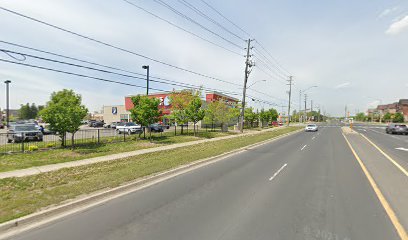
<point x="275" y="124"/>
<point x="394" y="128"/>
<point x="23" y="132"/>
<point x="156" y="128"/>
<point x="129" y="128"/>
<point x="311" y="128"/>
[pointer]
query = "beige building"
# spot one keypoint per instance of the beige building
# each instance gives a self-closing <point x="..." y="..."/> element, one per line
<point x="116" y="113"/>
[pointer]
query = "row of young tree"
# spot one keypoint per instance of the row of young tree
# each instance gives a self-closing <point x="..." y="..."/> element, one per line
<point x="388" y="117"/>
<point x="65" y="111"/>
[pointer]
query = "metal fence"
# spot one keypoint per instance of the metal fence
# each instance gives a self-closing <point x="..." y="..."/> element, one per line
<point x="10" y="144"/>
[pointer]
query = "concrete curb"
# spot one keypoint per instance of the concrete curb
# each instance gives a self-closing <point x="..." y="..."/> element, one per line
<point x="12" y="227"/>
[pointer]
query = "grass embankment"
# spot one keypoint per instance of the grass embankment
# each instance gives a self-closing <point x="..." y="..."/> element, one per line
<point x="39" y="158"/>
<point x="22" y="196"/>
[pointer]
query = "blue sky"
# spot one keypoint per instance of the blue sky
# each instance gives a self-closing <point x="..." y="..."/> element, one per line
<point x="354" y="51"/>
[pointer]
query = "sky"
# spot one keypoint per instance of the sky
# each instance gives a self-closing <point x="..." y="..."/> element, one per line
<point x="355" y="52"/>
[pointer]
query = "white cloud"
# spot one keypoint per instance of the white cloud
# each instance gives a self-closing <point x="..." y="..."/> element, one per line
<point x="398" y="26"/>
<point x="343" y="85"/>
<point x="387" y="12"/>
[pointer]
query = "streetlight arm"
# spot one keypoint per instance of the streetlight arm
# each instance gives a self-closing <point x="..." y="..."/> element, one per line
<point x="255" y="83"/>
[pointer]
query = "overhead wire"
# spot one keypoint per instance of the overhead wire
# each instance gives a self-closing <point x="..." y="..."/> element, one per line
<point x="202" y="14"/>
<point x="195" y="22"/>
<point x="181" y="28"/>
<point x="115" y="47"/>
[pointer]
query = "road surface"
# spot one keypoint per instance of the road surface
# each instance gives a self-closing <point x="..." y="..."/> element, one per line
<point x="304" y="186"/>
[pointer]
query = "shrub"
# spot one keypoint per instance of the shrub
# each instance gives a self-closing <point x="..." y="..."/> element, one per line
<point x="50" y="145"/>
<point x="33" y="148"/>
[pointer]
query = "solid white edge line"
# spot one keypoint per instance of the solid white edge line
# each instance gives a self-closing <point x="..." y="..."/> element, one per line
<point x="277" y="172"/>
<point x="303" y="147"/>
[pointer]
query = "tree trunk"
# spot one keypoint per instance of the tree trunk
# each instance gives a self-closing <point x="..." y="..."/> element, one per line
<point x="72" y="141"/>
<point x="194" y="129"/>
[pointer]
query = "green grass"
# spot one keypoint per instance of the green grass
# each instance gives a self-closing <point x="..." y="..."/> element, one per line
<point x="51" y="156"/>
<point x="22" y="196"/>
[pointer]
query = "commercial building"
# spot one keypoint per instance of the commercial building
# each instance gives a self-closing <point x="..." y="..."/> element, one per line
<point x="121" y="113"/>
<point x="397" y="107"/>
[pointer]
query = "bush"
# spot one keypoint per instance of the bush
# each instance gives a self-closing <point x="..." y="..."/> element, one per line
<point x="33" y="148"/>
<point x="50" y="145"/>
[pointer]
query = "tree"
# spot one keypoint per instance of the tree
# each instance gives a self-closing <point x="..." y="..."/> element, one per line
<point x="361" y="117"/>
<point x="194" y="111"/>
<point x="64" y="113"/>
<point x="28" y="112"/>
<point x="179" y="101"/>
<point x="387" y="117"/>
<point x="250" y="116"/>
<point x="145" y="111"/>
<point x="273" y="114"/>
<point x="264" y="116"/>
<point x="398" y="118"/>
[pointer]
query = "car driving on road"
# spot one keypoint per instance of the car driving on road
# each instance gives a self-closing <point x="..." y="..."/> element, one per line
<point x="396" y="129"/>
<point x="23" y="132"/>
<point x="311" y="128"/>
<point x="129" y="128"/>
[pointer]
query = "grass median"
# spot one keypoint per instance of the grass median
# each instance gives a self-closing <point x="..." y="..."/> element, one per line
<point x="16" y="161"/>
<point x="22" y="196"/>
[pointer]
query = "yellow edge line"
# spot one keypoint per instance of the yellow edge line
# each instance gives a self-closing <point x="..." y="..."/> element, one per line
<point x="391" y="214"/>
<point x="387" y="156"/>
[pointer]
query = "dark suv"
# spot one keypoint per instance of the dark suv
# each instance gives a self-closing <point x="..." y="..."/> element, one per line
<point x="23" y="132"/>
<point x="397" y="129"/>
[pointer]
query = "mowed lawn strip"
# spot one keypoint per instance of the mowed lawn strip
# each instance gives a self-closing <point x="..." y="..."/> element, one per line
<point x="22" y="196"/>
<point x="16" y="161"/>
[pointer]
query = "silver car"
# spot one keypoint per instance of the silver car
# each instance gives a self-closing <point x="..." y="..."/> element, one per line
<point x="311" y="128"/>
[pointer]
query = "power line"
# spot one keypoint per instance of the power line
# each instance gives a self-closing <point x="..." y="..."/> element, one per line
<point x="219" y="13"/>
<point x="269" y="62"/>
<point x="250" y="35"/>
<point x="110" y="81"/>
<point x="114" y="47"/>
<point x="181" y="28"/>
<point x="266" y="65"/>
<point x="195" y="22"/>
<point x="195" y="9"/>
<point x="274" y="59"/>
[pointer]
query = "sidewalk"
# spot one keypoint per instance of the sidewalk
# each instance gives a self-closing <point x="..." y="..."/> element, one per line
<point x="55" y="167"/>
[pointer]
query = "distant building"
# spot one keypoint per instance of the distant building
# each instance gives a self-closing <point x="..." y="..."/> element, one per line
<point x="403" y="108"/>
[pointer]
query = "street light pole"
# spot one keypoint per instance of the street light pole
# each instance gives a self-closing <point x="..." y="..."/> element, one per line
<point x="147" y="78"/>
<point x="7" y="82"/>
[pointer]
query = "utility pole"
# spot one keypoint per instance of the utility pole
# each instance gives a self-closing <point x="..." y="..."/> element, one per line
<point x="305" y="113"/>
<point x="300" y="103"/>
<point x="7" y="82"/>
<point x="147" y="78"/>
<point x="290" y="94"/>
<point x="248" y="64"/>
<point x="311" y="105"/>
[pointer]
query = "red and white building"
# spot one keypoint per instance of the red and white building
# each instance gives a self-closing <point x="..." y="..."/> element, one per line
<point x="121" y="113"/>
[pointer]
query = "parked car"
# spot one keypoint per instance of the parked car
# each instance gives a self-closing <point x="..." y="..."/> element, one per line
<point x="156" y="128"/>
<point x="395" y="128"/>
<point x="97" y="124"/>
<point x="129" y="128"/>
<point x="111" y="125"/>
<point x="275" y="124"/>
<point x="90" y="122"/>
<point x="23" y="132"/>
<point x="311" y="128"/>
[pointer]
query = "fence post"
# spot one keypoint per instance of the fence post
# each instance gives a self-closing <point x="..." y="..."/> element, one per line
<point x="22" y="143"/>
<point x="175" y="130"/>
<point x="124" y="136"/>
<point x="98" y="136"/>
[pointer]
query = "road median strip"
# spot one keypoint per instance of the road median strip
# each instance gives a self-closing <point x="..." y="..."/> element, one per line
<point x="26" y="195"/>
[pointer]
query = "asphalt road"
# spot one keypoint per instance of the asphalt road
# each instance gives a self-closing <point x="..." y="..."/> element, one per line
<point x="395" y="145"/>
<point x="305" y="186"/>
